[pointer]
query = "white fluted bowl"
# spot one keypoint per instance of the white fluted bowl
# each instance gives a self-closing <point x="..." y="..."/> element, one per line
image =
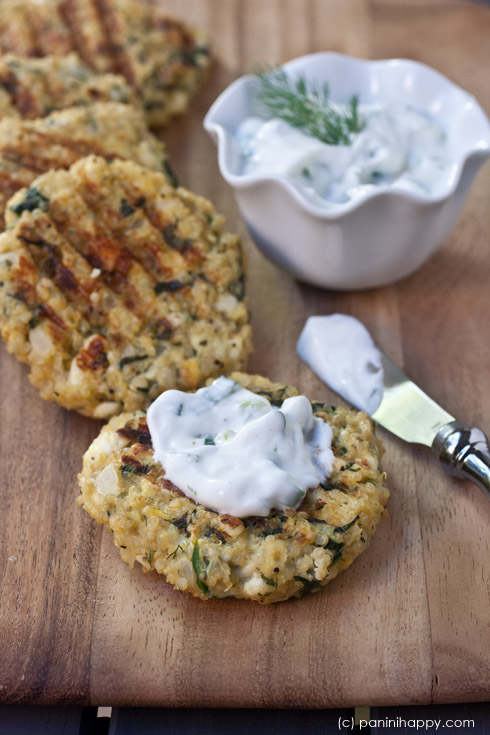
<point x="388" y="233"/>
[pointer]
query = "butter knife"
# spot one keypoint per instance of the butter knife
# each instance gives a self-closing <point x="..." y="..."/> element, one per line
<point x="410" y="414"/>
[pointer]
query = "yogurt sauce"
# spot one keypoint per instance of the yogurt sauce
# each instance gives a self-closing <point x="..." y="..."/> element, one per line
<point x="399" y="147"/>
<point x="232" y="451"/>
<point x="340" y="350"/>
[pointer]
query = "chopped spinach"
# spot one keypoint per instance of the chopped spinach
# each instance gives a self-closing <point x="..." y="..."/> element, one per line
<point x="341" y="529"/>
<point x="182" y="523"/>
<point x="172" y="178"/>
<point x="172" y="238"/>
<point x="215" y="535"/>
<point x="150" y="556"/>
<point x="189" y="57"/>
<point x="135" y="469"/>
<point x="168" y="286"/>
<point x="32" y="200"/>
<point x="126" y="209"/>
<point x="134" y="358"/>
<point x="308" y="584"/>
<point x="351" y="467"/>
<point x="237" y="288"/>
<point x="334" y="545"/>
<point x="173" y="554"/>
<point x="327" y="486"/>
<point x="268" y="580"/>
<point x="196" y="564"/>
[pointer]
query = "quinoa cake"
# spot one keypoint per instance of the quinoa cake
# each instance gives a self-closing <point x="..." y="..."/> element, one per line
<point x="162" y="59"/>
<point x="109" y="129"/>
<point x="267" y="559"/>
<point x="35" y="87"/>
<point x="115" y="286"/>
<point x="113" y="130"/>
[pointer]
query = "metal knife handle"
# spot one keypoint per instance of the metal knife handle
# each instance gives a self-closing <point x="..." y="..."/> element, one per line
<point x="464" y="453"/>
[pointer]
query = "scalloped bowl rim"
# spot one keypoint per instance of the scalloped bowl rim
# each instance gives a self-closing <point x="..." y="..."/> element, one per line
<point x="338" y="211"/>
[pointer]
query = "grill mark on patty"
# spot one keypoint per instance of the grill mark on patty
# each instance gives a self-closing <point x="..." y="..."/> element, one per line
<point x="80" y="147"/>
<point x="169" y="485"/>
<point x="25" y="279"/>
<point x="36" y="161"/>
<point x="41" y="151"/>
<point x="72" y="280"/>
<point x="15" y="34"/>
<point x="20" y="94"/>
<point x="48" y="29"/>
<point x="157" y="54"/>
<point x="117" y="35"/>
<point x="38" y="87"/>
<point x="190" y="253"/>
<point x="98" y="249"/>
<point x="140" y="435"/>
<point x="50" y="314"/>
<point x="79" y="231"/>
<point x="51" y="261"/>
<point x="89" y="36"/>
<point x="93" y="356"/>
<point x="10" y="183"/>
<point x="48" y="258"/>
<point x="143" y="259"/>
<point x="151" y="249"/>
<point x="117" y="265"/>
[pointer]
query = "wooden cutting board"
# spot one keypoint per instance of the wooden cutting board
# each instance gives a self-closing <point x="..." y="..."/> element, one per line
<point x="409" y="622"/>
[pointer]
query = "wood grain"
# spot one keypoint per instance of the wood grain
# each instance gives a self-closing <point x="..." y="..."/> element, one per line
<point x="409" y="622"/>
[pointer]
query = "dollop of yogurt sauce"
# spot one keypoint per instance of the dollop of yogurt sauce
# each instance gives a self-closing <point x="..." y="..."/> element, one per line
<point x="399" y="147"/>
<point x="340" y="350"/>
<point x="233" y="452"/>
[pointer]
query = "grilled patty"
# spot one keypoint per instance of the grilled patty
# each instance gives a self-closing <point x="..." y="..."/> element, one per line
<point x="114" y="286"/>
<point x="161" y="58"/>
<point x="109" y="129"/>
<point x="209" y="554"/>
<point x="32" y="87"/>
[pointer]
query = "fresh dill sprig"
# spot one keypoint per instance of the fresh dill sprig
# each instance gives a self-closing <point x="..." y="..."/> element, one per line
<point x="306" y="106"/>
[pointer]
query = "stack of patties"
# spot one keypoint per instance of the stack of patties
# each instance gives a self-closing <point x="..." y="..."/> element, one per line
<point x="162" y="59"/>
<point x="116" y="285"/>
<point x="109" y="129"/>
<point x="134" y="55"/>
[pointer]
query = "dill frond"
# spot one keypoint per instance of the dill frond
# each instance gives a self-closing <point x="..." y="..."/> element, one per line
<point x="307" y="107"/>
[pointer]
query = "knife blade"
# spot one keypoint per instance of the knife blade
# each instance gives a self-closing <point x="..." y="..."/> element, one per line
<point x="411" y="415"/>
<point x="406" y="410"/>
